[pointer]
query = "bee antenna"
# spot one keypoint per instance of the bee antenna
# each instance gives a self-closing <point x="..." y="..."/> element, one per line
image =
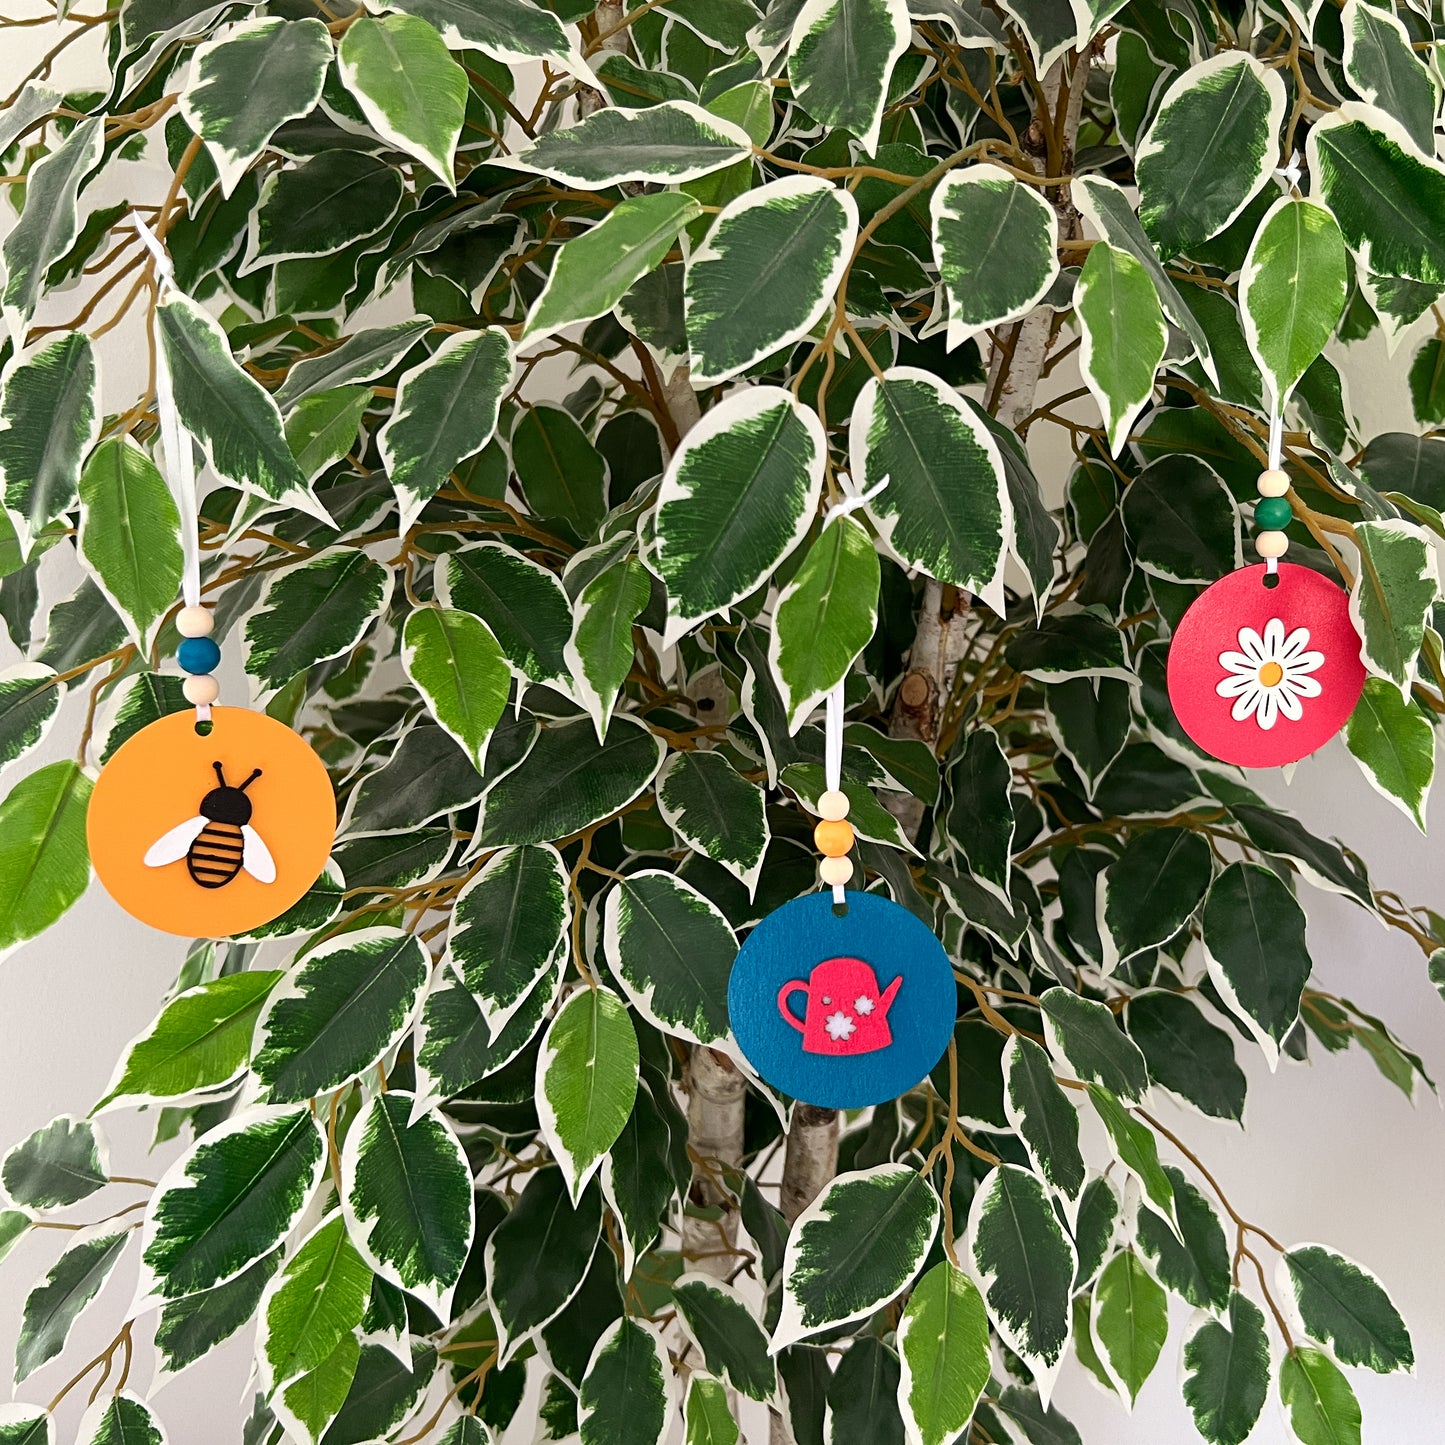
<point x="220" y="774"/>
<point x="255" y="773"/>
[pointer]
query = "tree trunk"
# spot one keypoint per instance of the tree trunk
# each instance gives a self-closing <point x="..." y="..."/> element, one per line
<point x="715" y="1094"/>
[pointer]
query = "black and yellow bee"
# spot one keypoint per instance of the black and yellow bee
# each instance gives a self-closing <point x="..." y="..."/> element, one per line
<point x="220" y="842"/>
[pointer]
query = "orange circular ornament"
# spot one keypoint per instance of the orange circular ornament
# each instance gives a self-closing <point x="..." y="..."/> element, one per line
<point x="214" y="835"/>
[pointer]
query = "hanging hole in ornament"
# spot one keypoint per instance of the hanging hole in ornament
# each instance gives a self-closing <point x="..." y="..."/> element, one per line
<point x="204" y="729"/>
<point x="1270" y="580"/>
<point x="840" y="910"/>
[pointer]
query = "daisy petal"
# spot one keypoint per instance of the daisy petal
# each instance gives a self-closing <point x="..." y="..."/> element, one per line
<point x="1305" y="662"/>
<point x="1268" y="712"/>
<point x="1252" y="645"/>
<point x="1297" y="641"/>
<point x="1237" y="662"/>
<point x="1247" y="703"/>
<point x="1300" y="686"/>
<point x="1274" y="636"/>
<point x="1241" y="682"/>
<point x="1289" y="705"/>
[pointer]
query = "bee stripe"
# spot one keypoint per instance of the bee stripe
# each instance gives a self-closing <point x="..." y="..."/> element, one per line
<point x="215" y="856"/>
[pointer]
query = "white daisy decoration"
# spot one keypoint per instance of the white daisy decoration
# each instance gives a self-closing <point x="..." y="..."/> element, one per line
<point x="839" y="1025"/>
<point x="863" y="1005"/>
<point x="1269" y="675"/>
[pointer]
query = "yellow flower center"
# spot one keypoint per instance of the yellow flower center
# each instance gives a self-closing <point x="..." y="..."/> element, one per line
<point x="1270" y="674"/>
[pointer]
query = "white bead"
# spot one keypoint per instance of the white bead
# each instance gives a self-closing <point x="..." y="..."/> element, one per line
<point x="833" y="805"/>
<point x="1271" y="544"/>
<point x="195" y="622"/>
<point x="835" y="870"/>
<point x="1272" y="483"/>
<point x="202" y="690"/>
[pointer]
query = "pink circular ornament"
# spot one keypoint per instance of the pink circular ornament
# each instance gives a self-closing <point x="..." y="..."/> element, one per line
<point x="1262" y="676"/>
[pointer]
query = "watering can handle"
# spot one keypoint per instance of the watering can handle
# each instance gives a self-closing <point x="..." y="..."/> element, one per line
<point x="793" y="986"/>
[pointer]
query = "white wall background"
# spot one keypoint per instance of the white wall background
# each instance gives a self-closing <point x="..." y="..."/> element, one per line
<point x="1332" y="1151"/>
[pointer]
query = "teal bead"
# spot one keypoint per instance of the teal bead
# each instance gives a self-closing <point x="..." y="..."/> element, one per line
<point x="1273" y="514"/>
<point x="198" y="655"/>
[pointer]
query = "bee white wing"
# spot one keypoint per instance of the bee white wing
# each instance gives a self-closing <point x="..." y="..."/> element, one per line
<point x="256" y="857"/>
<point x="173" y="846"/>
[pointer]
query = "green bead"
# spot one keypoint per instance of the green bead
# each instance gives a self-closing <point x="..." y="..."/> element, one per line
<point x="1273" y="514"/>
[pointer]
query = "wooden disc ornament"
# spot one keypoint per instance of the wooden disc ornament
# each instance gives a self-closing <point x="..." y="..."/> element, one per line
<point x="1265" y="666"/>
<point x="214" y="833"/>
<point x="841" y="999"/>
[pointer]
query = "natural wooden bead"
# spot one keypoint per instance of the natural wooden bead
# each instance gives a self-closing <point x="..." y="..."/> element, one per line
<point x="835" y="870"/>
<point x="195" y="622"/>
<point x="202" y="690"/>
<point x="833" y="805"/>
<point x="1273" y="483"/>
<point x="833" y="837"/>
<point x="1271" y="544"/>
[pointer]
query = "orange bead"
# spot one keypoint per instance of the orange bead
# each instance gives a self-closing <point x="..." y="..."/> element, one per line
<point x="834" y="837"/>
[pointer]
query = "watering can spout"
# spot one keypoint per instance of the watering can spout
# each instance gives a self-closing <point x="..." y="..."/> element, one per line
<point x="889" y="994"/>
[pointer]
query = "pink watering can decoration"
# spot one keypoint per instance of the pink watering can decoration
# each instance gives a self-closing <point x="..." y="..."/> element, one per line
<point x="847" y="1013"/>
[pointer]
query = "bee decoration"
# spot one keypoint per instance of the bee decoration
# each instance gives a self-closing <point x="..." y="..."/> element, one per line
<point x="220" y="841"/>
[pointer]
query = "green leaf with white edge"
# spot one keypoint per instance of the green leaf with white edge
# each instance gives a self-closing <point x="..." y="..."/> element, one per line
<point x="446" y="411"/>
<point x="639" y="1178"/>
<point x="226" y="410"/>
<point x="44" y="861"/>
<point x="562" y="474"/>
<point x="28" y="1425"/>
<point x="308" y="1405"/>
<point x="1183" y="521"/>
<point x="49" y="420"/>
<point x="596" y="270"/>
<point x="538" y="1256"/>
<point x="943" y="1348"/>
<point x="1130" y="1322"/>
<point x="406" y="1189"/>
<point x="1343" y="1305"/>
<point x="859" y="1244"/>
<point x="319" y="1296"/>
<point x="1123" y="336"/>
<point x="586" y="1081"/>
<point x="994" y="240"/>
<point x="716" y="812"/>
<point x="707" y="1416"/>
<point x="981" y="818"/>
<point x="1394" y="743"/>
<point x="725" y="1329"/>
<point x="1321" y="1406"/>
<point x="411" y="91"/>
<point x="363" y="356"/>
<point x="1195" y="1263"/>
<point x="323" y="428"/>
<point x="1324" y="864"/>
<point x="120" y="1420"/>
<point x="946" y="508"/>
<point x="1151" y="891"/>
<point x="1043" y="1118"/>
<point x="1292" y="291"/>
<point x="843" y="53"/>
<point x="1212" y="144"/>
<point x="198" y="1043"/>
<point x="49" y="223"/>
<point x="1086" y="1035"/>
<point x="1111" y="214"/>
<point x="738" y="495"/>
<point x="34" y="101"/>
<point x="600" y="651"/>
<point x="660" y="144"/>
<point x="194" y="1325"/>
<point x="766" y="273"/>
<point x="1186" y="1053"/>
<point x="870" y="819"/>
<point x="671" y="950"/>
<point x="248" y="83"/>
<point x="1254" y="945"/>
<point x="1381" y="63"/>
<point x="1096" y="1227"/>
<point x="522" y="603"/>
<point x="507" y="30"/>
<point x="1390" y="602"/>
<point x="313" y="612"/>
<point x="1090" y="719"/>
<point x="130" y="535"/>
<point x="58" y="1165"/>
<point x="54" y="1305"/>
<point x="1025" y="1264"/>
<point x="344" y="1005"/>
<point x="1388" y="197"/>
<point x="231" y="1198"/>
<point x="30" y="698"/>
<point x="1068" y="645"/>
<point x="627" y="1392"/>
<point x="567" y="782"/>
<point x="458" y="667"/>
<point x="1132" y="1144"/>
<point x="824" y="617"/>
<point x="1226" y="1372"/>
<point x="861" y="1402"/>
<point x="426" y="776"/>
<point x="509" y="926"/>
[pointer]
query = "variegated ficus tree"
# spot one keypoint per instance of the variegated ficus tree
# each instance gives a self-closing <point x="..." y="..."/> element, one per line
<point x="528" y="345"/>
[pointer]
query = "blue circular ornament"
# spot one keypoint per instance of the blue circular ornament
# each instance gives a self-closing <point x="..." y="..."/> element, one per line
<point x="198" y="655"/>
<point x="842" y="1010"/>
